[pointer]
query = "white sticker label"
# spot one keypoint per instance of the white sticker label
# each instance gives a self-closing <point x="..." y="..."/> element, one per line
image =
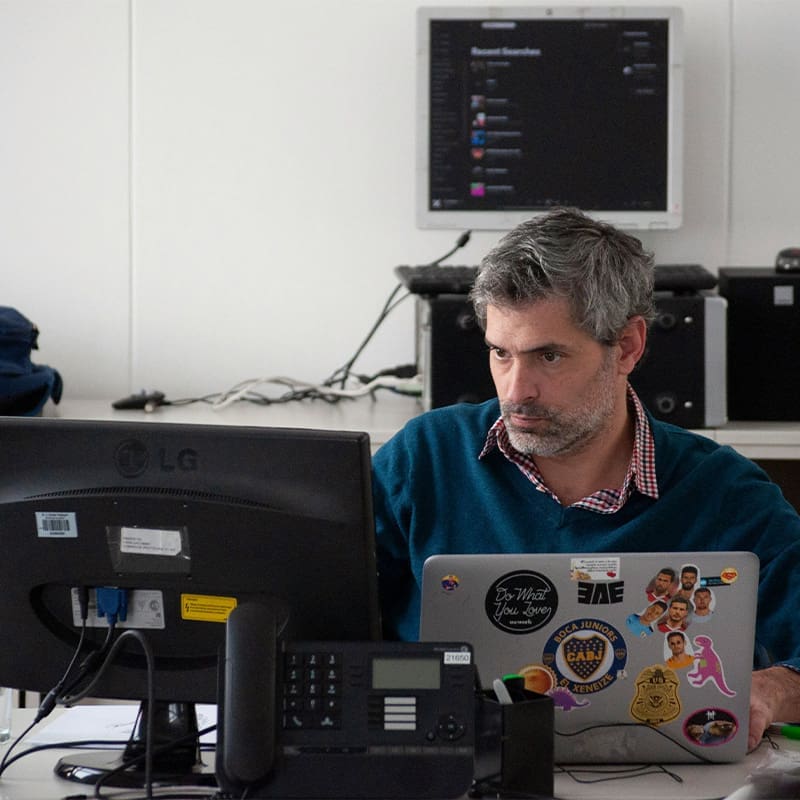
<point x="55" y="525"/>
<point x="149" y="541"/>
<point x="598" y="568"/>
<point x="458" y="657"/>
<point x="145" y="610"/>
<point x="783" y="295"/>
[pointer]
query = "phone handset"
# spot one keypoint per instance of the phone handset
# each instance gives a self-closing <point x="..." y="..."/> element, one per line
<point x="248" y="726"/>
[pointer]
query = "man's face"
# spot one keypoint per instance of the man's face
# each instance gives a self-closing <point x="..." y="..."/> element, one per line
<point x="662" y="583"/>
<point x="678" y="612"/>
<point x="702" y="600"/>
<point x="677" y="645"/>
<point x="688" y="580"/>
<point x="652" y="613"/>
<point x="558" y="387"/>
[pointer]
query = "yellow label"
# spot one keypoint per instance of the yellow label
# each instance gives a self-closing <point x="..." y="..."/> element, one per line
<point x="206" y="607"/>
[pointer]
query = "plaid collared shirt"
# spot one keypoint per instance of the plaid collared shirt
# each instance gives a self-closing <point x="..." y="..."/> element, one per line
<point x="641" y="474"/>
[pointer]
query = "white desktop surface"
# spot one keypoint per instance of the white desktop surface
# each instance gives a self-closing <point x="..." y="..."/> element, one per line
<point x="384" y="414"/>
<point x="381" y="417"/>
<point x="32" y="777"/>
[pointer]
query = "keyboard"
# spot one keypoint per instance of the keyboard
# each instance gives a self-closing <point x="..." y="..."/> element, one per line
<point x="458" y="278"/>
<point x="683" y="278"/>
<point x="437" y="278"/>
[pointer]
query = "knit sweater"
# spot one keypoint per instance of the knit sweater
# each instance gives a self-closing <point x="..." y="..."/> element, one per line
<point x="434" y="495"/>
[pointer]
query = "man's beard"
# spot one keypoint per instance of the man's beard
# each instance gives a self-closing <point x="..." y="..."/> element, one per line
<point x="565" y="432"/>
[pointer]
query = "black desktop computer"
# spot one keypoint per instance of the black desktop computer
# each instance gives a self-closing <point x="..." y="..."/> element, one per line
<point x="763" y="330"/>
<point x="681" y="379"/>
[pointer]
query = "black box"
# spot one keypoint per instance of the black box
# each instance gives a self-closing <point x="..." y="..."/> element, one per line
<point x="763" y="332"/>
<point x="451" y="353"/>
<point x="681" y="379"/>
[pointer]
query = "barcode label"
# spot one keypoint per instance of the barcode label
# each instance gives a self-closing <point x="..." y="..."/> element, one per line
<point x="56" y="525"/>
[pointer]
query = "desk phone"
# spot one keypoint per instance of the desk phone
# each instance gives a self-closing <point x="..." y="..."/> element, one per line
<point x="343" y="719"/>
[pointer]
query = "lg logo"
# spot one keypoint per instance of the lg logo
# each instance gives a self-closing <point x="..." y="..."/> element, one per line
<point x="132" y="458"/>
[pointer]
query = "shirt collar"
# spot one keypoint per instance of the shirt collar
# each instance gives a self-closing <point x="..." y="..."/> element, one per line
<point x="641" y="473"/>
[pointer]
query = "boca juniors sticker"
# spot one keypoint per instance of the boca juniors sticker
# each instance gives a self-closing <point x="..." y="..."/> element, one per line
<point x="587" y="655"/>
<point x="521" y="601"/>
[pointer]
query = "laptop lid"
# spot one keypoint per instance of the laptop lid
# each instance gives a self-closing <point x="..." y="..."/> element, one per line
<point x="647" y="656"/>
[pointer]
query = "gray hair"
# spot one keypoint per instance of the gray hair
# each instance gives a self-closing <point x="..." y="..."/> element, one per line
<point x="605" y="274"/>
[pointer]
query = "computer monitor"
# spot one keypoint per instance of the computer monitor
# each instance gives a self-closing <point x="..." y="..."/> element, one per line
<point x="189" y="520"/>
<point x="522" y="108"/>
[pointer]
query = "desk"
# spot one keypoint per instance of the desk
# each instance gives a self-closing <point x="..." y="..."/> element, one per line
<point x="384" y="415"/>
<point x="32" y="778"/>
<point x="381" y="417"/>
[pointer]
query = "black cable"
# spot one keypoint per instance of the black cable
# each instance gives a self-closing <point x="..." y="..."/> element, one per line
<point x="598" y="726"/>
<point x="345" y="369"/>
<point x="385" y="311"/>
<point x="82" y="743"/>
<point x="163" y="748"/>
<point x="339" y="375"/>
<point x="90" y="664"/>
<point x="462" y="240"/>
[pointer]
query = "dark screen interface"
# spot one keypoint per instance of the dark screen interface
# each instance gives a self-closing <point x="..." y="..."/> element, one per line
<point x="529" y="114"/>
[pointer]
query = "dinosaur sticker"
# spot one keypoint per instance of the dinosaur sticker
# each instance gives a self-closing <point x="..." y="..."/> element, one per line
<point x="708" y="666"/>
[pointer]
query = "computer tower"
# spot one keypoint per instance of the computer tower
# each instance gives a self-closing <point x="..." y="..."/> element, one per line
<point x="451" y="353"/>
<point x="681" y="378"/>
<point x="763" y="334"/>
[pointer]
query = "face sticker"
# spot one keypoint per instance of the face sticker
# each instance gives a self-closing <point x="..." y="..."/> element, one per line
<point x="704" y="601"/>
<point x="538" y="678"/>
<point x="710" y="727"/>
<point x="678" y="652"/>
<point x="450" y="583"/>
<point x="643" y="623"/>
<point x="708" y="666"/>
<point x="587" y="655"/>
<point x="521" y="602"/>
<point x="656" y="700"/>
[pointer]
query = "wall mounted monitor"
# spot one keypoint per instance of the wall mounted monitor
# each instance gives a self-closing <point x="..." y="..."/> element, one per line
<point x="520" y="109"/>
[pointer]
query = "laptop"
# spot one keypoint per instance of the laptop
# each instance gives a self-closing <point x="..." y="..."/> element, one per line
<point x="647" y="656"/>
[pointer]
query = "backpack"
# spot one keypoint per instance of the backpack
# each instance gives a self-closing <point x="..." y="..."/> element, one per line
<point x="24" y="387"/>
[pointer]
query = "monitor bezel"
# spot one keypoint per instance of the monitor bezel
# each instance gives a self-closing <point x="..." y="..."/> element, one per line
<point x="669" y="218"/>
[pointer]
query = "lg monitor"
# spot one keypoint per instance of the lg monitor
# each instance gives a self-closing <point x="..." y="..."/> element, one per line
<point x="522" y="108"/>
<point x="184" y="522"/>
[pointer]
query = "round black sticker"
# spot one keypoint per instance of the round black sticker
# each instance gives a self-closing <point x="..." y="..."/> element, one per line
<point x="521" y="602"/>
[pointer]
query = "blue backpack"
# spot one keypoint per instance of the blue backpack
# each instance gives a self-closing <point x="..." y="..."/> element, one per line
<point x="24" y="387"/>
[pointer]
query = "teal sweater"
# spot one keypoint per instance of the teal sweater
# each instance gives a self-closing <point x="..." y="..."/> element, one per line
<point x="433" y="495"/>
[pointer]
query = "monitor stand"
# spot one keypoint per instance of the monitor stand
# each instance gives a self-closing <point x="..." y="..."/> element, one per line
<point x="179" y="766"/>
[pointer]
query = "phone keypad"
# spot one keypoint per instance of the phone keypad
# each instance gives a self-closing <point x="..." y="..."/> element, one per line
<point x="312" y="691"/>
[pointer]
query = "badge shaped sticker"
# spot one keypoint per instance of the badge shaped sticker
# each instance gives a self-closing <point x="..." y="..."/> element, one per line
<point x="587" y="655"/>
<point x="656" y="700"/>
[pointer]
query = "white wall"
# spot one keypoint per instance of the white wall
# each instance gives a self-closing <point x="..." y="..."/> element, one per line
<point x="194" y="192"/>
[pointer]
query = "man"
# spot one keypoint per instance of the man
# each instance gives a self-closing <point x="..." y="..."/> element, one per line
<point x="677" y="613"/>
<point x="702" y="604"/>
<point x="642" y="624"/>
<point x="566" y="459"/>
<point x="688" y="581"/>
<point x="661" y="587"/>
<point x="676" y="641"/>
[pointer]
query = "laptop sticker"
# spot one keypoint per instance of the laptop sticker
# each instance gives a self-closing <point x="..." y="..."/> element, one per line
<point x="708" y="666"/>
<point x="587" y="655"/>
<point x="656" y="700"/>
<point x="710" y="727"/>
<point x="521" y="602"/>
